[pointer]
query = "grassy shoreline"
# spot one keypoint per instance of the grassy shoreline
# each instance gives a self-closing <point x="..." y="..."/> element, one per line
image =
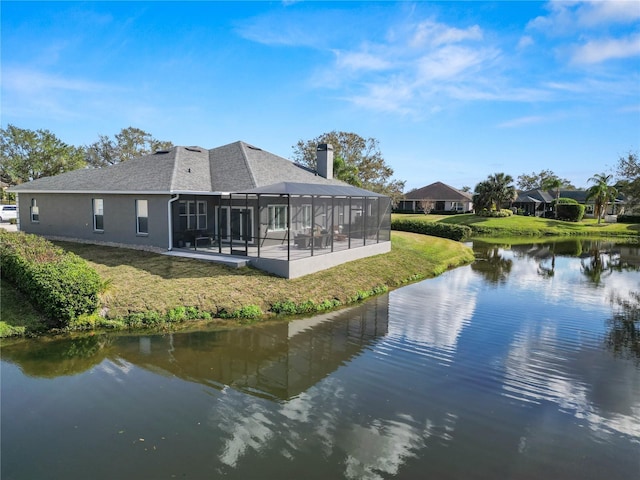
<point x="147" y="289"/>
<point x="518" y="225"/>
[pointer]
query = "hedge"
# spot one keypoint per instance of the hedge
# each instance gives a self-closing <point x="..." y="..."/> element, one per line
<point x="435" y="229"/>
<point x="569" y="210"/>
<point x="628" y="218"/>
<point x="59" y="284"/>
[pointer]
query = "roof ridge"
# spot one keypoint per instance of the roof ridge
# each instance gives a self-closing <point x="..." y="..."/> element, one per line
<point x="173" y="169"/>
<point x="246" y="162"/>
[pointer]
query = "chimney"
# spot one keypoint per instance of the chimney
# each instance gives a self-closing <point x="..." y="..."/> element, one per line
<point x="324" y="160"/>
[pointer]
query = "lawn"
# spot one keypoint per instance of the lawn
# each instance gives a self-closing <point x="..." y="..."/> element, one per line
<point x="142" y="281"/>
<point x="532" y="226"/>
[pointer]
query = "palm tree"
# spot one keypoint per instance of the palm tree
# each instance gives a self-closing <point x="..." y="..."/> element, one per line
<point x="602" y="193"/>
<point x="482" y="197"/>
<point x="553" y="183"/>
<point x="494" y="192"/>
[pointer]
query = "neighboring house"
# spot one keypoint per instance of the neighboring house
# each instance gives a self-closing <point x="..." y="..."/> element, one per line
<point x="539" y="202"/>
<point x="437" y="197"/>
<point x="234" y="200"/>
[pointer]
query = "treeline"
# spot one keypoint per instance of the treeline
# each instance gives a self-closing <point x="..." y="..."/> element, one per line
<point x="27" y="155"/>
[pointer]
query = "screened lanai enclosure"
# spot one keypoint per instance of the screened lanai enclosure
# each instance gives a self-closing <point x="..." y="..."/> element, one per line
<point x="282" y="224"/>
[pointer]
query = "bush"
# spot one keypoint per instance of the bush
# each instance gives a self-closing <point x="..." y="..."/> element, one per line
<point x="628" y="218"/>
<point x="59" y="284"/>
<point x="570" y="211"/>
<point x="249" y="312"/>
<point x="435" y="229"/>
<point x="504" y="212"/>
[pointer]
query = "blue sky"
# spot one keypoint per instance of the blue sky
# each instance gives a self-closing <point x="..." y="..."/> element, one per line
<point x="453" y="91"/>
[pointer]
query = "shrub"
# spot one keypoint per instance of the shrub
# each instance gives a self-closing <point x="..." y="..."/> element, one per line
<point x="287" y="307"/>
<point x="435" y="229"/>
<point x="59" y="284"/>
<point x="569" y="210"/>
<point x="628" y="218"/>
<point x="248" y="312"/>
<point x="504" y="212"/>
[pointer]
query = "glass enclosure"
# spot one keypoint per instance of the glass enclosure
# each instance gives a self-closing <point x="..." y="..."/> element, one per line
<point x="279" y="226"/>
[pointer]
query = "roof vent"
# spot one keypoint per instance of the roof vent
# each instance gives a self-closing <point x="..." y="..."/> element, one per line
<point x="159" y="152"/>
<point x="193" y="149"/>
<point x="253" y="148"/>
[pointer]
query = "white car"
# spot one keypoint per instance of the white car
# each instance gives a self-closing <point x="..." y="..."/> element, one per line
<point x="7" y="212"/>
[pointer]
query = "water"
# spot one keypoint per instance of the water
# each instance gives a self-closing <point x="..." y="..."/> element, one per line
<point x="524" y="365"/>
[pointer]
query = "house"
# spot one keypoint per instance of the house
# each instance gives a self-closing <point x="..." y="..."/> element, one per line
<point x="232" y="201"/>
<point x="539" y="203"/>
<point x="437" y="197"/>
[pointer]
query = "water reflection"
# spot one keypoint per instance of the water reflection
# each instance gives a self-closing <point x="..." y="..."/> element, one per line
<point x="490" y="263"/>
<point x="277" y="360"/>
<point x="522" y="375"/>
<point x="623" y="337"/>
<point x="434" y="314"/>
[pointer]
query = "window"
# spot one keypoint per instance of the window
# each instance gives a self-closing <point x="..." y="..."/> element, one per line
<point x="98" y="215"/>
<point x="34" y="211"/>
<point x="277" y="217"/>
<point x="306" y="216"/>
<point x="142" y="217"/>
<point x="201" y="220"/>
<point x="457" y="206"/>
<point x="190" y="218"/>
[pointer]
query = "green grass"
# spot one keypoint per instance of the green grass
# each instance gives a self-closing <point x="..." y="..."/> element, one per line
<point x="518" y="225"/>
<point x="17" y="316"/>
<point x="141" y="283"/>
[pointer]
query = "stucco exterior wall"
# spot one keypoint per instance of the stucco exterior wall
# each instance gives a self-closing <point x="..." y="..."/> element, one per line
<point x="71" y="215"/>
<point x="305" y="266"/>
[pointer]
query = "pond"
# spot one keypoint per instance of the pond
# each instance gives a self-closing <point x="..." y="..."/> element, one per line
<point x="524" y="365"/>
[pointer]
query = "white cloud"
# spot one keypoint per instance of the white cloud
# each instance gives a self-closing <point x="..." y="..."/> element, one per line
<point x="24" y="81"/>
<point x="432" y="33"/>
<point x="565" y="17"/>
<point x="449" y="62"/>
<point x="600" y="12"/>
<point x="525" y="41"/>
<point x="518" y="122"/>
<point x="597" y="51"/>
<point x="361" y="61"/>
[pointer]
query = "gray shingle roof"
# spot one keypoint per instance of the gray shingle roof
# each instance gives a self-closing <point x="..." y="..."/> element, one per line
<point x="230" y="168"/>
<point x="439" y="191"/>
<point x="533" y="196"/>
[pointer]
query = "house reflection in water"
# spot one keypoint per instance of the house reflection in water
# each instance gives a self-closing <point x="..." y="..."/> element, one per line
<point x="276" y="360"/>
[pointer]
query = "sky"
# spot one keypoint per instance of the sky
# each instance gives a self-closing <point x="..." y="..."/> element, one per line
<point x="452" y="91"/>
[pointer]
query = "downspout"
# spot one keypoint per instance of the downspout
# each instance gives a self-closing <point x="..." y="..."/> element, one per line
<point x="170" y="220"/>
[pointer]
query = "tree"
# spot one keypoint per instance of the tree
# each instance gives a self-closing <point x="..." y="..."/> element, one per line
<point x="494" y="192"/>
<point x="357" y="161"/>
<point x="553" y="183"/>
<point x="427" y="206"/>
<point x="602" y="193"/>
<point x="129" y="143"/>
<point x="629" y="178"/>
<point x="538" y="180"/>
<point x="26" y="155"/>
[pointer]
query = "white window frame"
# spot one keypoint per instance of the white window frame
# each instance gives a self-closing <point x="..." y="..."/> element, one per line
<point x="228" y="210"/>
<point x="201" y="215"/>
<point x="307" y="215"/>
<point x="142" y="211"/>
<point x="34" y="211"/>
<point x="98" y="211"/>
<point x="195" y="215"/>
<point x="278" y="219"/>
